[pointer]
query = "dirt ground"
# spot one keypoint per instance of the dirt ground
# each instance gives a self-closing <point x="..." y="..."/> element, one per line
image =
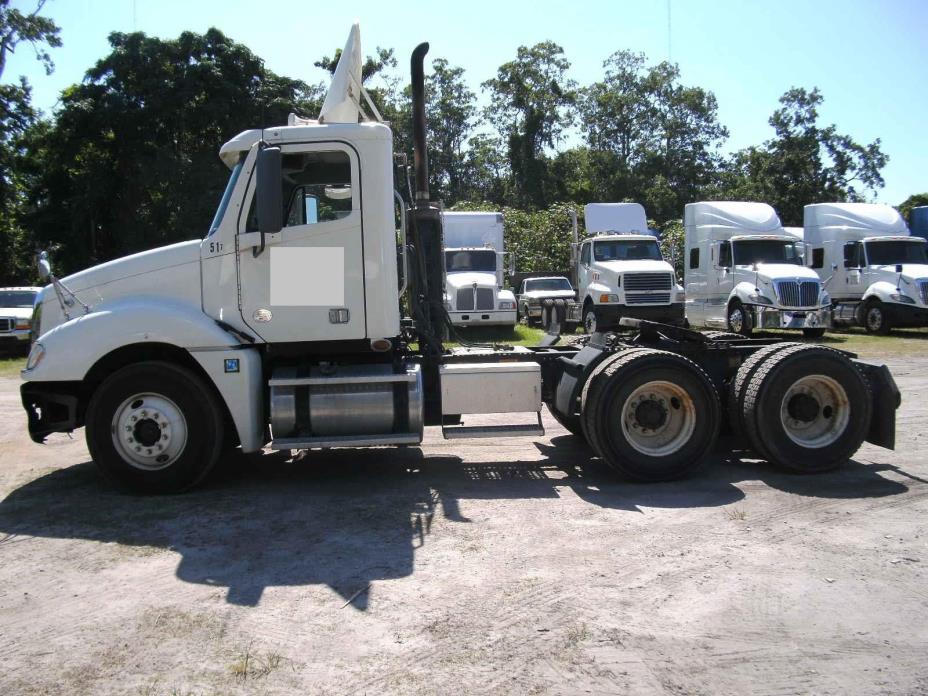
<point x="506" y="566"/>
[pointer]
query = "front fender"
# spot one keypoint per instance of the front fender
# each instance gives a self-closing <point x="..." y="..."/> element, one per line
<point x="742" y="291"/>
<point x="72" y="348"/>
<point x="881" y="290"/>
<point x="594" y="290"/>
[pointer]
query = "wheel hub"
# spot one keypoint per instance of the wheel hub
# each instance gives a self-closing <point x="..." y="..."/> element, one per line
<point x="658" y="418"/>
<point x="736" y="320"/>
<point x="149" y="431"/>
<point x="651" y="414"/>
<point x="803" y="407"/>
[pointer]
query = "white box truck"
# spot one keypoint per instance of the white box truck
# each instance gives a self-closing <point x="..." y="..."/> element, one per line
<point x="620" y="272"/>
<point x="875" y="272"/>
<point x="744" y="271"/>
<point x="474" y="268"/>
<point x="285" y="331"/>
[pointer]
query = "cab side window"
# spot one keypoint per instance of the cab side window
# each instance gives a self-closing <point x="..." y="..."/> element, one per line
<point x="725" y="255"/>
<point x="585" y="255"/>
<point x="316" y="188"/>
<point x="852" y="256"/>
<point x="818" y="257"/>
<point x="694" y="257"/>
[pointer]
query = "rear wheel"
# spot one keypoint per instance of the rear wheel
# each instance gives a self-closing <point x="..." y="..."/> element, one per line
<point x="875" y="319"/>
<point x="650" y="414"/>
<point x="154" y="427"/>
<point x="589" y="319"/>
<point x="739" y="319"/>
<point x="807" y="409"/>
<point x="570" y="423"/>
<point x="739" y="382"/>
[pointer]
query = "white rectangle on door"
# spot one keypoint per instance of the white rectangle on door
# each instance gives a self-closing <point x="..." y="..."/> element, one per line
<point x="307" y="277"/>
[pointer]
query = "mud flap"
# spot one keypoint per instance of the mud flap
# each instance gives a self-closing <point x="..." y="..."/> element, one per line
<point x="886" y="398"/>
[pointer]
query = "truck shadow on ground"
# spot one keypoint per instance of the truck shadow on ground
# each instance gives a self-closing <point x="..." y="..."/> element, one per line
<point x="345" y="518"/>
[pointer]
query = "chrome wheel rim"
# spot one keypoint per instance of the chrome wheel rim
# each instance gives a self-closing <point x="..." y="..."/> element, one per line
<point x="874" y="318"/>
<point x="736" y="320"/>
<point x="149" y="431"/>
<point x="589" y="322"/>
<point x="658" y="418"/>
<point x="815" y="411"/>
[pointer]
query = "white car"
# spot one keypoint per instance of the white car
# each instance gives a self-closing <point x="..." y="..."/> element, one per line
<point x="534" y="291"/>
<point x="16" y="306"/>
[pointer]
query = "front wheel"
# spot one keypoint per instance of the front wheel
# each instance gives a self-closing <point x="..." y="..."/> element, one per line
<point x="875" y="319"/>
<point x="154" y="427"/>
<point x="739" y="319"/>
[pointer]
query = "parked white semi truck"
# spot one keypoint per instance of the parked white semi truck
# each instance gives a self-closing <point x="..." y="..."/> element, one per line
<point x="874" y="270"/>
<point x="620" y="271"/>
<point x="474" y="268"/>
<point x="744" y="271"/>
<point x="280" y="329"/>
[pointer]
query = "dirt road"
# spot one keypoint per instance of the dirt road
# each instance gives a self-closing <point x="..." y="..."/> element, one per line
<point x="497" y="567"/>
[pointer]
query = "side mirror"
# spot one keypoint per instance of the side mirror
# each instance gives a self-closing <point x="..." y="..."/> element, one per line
<point x="45" y="268"/>
<point x="834" y="267"/>
<point x="270" y="191"/>
<point x="898" y="268"/>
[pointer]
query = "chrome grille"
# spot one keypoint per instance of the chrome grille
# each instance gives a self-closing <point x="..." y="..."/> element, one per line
<point x="797" y="293"/>
<point x="646" y="282"/>
<point x="923" y="290"/>
<point x="484" y="298"/>
<point x="6" y="324"/>
<point x="649" y="298"/>
<point x="465" y="299"/>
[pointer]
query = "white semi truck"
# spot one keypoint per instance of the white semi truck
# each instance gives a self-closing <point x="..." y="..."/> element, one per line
<point x="474" y="268"/>
<point x="282" y="329"/>
<point x="744" y="271"/>
<point x="875" y="272"/>
<point x="620" y="271"/>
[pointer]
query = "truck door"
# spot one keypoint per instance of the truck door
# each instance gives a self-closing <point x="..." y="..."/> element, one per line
<point x="307" y="284"/>
<point x="583" y="271"/>
<point x="721" y="281"/>
<point x="851" y="268"/>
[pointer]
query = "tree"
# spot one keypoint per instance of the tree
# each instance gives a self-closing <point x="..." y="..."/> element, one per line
<point x="450" y="117"/>
<point x="532" y="102"/>
<point x="913" y="201"/>
<point x="17" y="117"/>
<point x="132" y="159"/>
<point x="804" y="162"/>
<point x="655" y="141"/>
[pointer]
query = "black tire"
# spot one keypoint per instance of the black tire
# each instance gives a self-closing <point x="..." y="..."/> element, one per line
<point x="181" y="388"/>
<point x="813" y="333"/>
<point x="735" y="310"/>
<point x="570" y="423"/>
<point x="589" y="321"/>
<point x="874" y="318"/>
<point x="609" y="392"/>
<point x="737" y="385"/>
<point x="842" y="416"/>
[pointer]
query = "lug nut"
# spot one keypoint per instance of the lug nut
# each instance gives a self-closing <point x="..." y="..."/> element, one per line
<point x="138" y="449"/>
<point x="133" y="419"/>
<point x="148" y="451"/>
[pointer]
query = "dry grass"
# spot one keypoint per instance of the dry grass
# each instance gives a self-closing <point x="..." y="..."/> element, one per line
<point x="736" y="515"/>
<point x="11" y="365"/>
<point x="250" y="664"/>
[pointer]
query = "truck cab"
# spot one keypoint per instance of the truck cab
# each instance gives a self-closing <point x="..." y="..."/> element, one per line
<point x="744" y="271"/>
<point x="874" y="270"/>
<point x="474" y="270"/>
<point x="621" y="272"/>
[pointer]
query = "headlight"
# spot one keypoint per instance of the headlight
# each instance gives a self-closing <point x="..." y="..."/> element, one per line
<point x="757" y="298"/>
<point x="35" y="356"/>
<point x="899" y="297"/>
<point x="507" y="304"/>
<point x="679" y="296"/>
<point x="825" y="299"/>
<point x="608" y="298"/>
<point x="23" y="324"/>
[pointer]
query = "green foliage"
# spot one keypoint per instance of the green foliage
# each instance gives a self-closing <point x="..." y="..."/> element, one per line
<point x="672" y="246"/>
<point x="913" y="201"/>
<point x="804" y="162"/>
<point x="32" y="28"/>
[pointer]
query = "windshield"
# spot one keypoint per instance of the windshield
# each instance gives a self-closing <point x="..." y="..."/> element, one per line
<point x="749" y="252"/>
<point x="547" y="284"/>
<point x="22" y="299"/>
<point x="227" y="194"/>
<point x="626" y="250"/>
<point x="889" y="253"/>
<point x="478" y="260"/>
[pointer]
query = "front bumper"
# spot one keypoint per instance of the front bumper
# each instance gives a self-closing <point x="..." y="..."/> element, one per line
<point x="607" y="316"/>
<point x="16" y="337"/>
<point x="484" y="318"/>
<point x="52" y="407"/>
<point x="775" y="318"/>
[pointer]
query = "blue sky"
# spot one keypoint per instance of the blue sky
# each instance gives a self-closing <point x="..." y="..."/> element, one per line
<point x="868" y="58"/>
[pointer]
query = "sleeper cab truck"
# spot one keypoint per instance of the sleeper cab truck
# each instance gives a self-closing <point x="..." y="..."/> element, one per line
<point x="744" y="271"/>
<point x="620" y="272"/>
<point x="474" y="270"/>
<point x="875" y="271"/>
<point x="281" y="328"/>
